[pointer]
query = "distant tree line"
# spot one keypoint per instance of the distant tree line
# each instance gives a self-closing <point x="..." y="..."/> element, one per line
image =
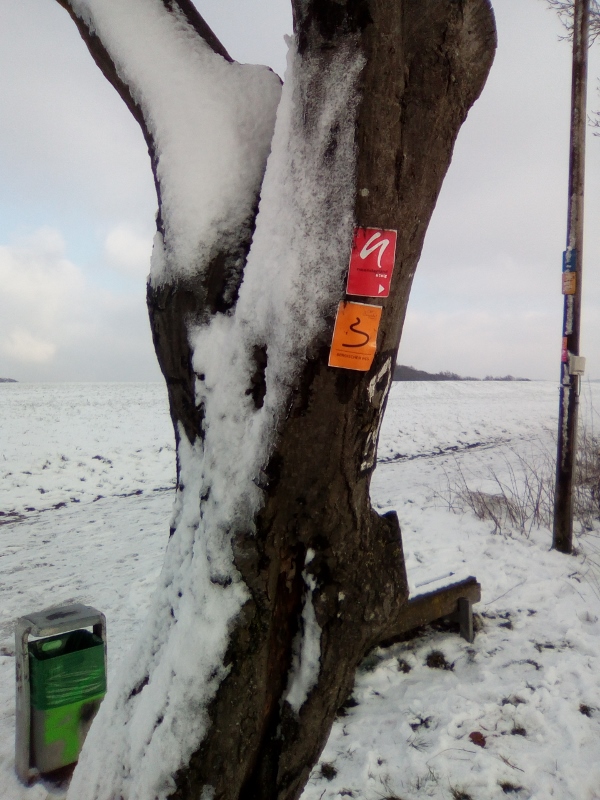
<point x="404" y="373"/>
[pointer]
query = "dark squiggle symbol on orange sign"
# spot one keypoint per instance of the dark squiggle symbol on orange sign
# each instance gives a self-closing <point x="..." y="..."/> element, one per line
<point x="360" y="333"/>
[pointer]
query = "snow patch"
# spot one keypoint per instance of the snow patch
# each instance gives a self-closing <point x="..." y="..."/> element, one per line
<point x="152" y="720"/>
<point x="292" y="282"/>
<point x="211" y="122"/>
<point x="306" y="661"/>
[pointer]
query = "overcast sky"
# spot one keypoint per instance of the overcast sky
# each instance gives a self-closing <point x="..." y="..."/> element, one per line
<point x="77" y="205"/>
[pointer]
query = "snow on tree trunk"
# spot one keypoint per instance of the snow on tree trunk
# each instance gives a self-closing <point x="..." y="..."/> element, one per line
<point x="278" y="575"/>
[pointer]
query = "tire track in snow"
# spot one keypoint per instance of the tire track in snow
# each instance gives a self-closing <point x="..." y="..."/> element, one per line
<point x="444" y="451"/>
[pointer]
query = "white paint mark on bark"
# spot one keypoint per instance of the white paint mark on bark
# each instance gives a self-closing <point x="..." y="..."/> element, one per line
<point x="377" y="378"/>
<point x="385" y="373"/>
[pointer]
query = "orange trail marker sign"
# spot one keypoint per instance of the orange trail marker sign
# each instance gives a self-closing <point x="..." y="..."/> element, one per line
<point x="355" y="336"/>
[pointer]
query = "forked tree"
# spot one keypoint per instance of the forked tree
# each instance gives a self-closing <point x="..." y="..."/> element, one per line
<point x="278" y="576"/>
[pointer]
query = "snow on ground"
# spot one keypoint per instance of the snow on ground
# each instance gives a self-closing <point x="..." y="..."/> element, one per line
<point x="426" y="418"/>
<point x="528" y="688"/>
<point x="73" y="442"/>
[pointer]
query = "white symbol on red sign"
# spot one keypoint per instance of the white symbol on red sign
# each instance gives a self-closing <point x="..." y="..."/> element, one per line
<point x="370" y="247"/>
<point x="371" y="262"/>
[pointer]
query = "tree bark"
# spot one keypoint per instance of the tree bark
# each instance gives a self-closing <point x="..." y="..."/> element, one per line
<point x="426" y="62"/>
<point x="316" y="553"/>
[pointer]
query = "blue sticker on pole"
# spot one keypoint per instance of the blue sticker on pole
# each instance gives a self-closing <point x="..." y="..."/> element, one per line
<point x="570" y="260"/>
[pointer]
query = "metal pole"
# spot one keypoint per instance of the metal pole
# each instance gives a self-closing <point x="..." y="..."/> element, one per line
<point x="571" y="365"/>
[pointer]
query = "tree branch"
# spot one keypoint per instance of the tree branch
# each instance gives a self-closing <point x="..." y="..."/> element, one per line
<point x="107" y="66"/>
<point x="197" y="269"/>
<point x="198" y="23"/>
<point x="564" y="9"/>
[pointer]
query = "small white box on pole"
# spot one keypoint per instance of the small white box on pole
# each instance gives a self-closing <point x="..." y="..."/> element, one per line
<point x="576" y="364"/>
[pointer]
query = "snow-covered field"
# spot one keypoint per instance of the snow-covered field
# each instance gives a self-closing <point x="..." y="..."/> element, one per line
<point x="76" y="442"/>
<point x="85" y="478"/>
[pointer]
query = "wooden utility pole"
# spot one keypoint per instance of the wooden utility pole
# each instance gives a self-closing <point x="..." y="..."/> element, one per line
<point x="571" y="368"/>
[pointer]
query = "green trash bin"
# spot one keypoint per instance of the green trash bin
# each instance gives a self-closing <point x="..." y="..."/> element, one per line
<point x="68" y="682"/>
<point x="61" y="680"/>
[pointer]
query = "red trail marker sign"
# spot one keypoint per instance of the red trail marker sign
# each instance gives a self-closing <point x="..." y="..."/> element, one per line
<point x="371" y="262"/>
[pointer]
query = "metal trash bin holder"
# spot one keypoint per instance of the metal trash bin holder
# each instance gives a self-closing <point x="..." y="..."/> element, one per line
<point x="51" y="622"/>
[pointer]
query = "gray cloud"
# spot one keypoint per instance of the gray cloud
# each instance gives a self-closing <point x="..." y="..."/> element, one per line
<point x="57" y="325"/>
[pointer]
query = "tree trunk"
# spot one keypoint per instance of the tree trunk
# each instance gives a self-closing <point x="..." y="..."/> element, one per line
<point x="319" y="575"/>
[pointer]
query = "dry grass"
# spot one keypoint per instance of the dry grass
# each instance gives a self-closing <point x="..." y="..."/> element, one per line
<point x="521" y="494"/>
<point x="522" y="488"/>
<point x="587" y="480"/>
